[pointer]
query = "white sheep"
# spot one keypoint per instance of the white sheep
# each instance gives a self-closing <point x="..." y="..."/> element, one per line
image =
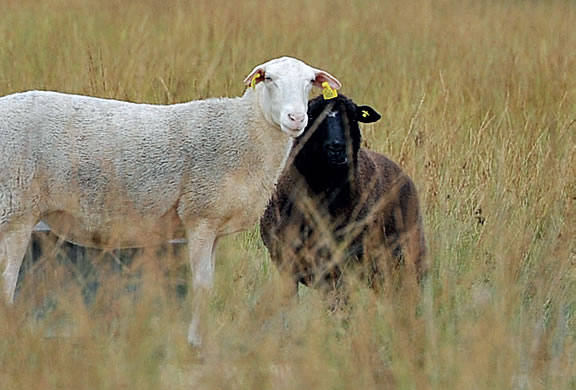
<point x="112" y="174"/>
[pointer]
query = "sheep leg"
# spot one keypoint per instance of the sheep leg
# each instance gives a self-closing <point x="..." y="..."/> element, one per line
<point x="288" y="274"/>
<point x="201" y="251"/>
<point x="289" y="286"/>
<point x="14" y="239"/>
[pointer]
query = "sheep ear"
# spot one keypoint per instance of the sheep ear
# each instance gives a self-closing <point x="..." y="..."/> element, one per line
<point x="366" y="114"/>
<point x="323" y="77"/>
<point x="254" y="77"/>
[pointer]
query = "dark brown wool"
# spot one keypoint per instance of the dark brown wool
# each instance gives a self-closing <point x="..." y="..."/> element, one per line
<point x="340" y="205"/>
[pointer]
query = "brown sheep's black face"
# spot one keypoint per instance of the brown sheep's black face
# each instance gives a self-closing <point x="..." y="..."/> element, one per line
<point x="336" y="138"/>
<point x="328" y="149"/>
<point x="336" y="146"/>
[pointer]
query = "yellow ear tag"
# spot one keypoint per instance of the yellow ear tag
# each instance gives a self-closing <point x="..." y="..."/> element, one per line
<point x="365" y="114"/>
<point x="328" y="92"/>
<point x="253" y="82"/>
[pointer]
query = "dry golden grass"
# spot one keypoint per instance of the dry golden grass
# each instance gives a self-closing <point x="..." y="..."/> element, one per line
<point x="478" y="104"/>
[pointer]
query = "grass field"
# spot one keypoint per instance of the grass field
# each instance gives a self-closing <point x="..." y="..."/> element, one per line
<point x="478" y="100"/>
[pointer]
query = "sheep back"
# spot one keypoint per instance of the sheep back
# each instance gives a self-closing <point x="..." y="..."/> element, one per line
<point x="96" y="165"/>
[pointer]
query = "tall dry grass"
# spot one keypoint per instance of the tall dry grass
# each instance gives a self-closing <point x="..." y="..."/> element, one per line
<point x="478" y="104"/>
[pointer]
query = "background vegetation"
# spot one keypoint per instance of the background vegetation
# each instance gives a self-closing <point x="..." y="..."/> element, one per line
<point x="478" y="105"/>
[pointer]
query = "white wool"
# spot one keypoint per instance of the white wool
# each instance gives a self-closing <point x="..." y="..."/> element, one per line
<point x="111" y="174"/>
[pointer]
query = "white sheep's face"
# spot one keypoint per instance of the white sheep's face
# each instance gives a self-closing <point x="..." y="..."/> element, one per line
<point x="284" y="86"/>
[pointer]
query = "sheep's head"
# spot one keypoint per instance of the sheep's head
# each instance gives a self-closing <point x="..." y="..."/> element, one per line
<point x="332" y="138"/>
<point x="284" y="85"/>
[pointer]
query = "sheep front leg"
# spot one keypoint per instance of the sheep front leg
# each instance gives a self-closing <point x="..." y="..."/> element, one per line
<point x="201" y="251"/>
<point x="14" y="240"/>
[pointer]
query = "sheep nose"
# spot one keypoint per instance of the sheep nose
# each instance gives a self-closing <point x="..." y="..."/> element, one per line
<point x="336" y="154"/>
<point x="297" y="117"/>
<point x="335" y="148"/>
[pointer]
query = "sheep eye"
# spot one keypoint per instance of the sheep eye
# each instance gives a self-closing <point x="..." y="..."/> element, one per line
<point x="267" y="78"/>
<point x="312" y="81"/>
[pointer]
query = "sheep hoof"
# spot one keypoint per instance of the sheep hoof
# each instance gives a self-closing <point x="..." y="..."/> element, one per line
<point x="198" y="354"/>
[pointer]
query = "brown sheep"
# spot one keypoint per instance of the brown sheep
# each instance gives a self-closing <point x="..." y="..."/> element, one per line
<point x="337" y="204"/>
